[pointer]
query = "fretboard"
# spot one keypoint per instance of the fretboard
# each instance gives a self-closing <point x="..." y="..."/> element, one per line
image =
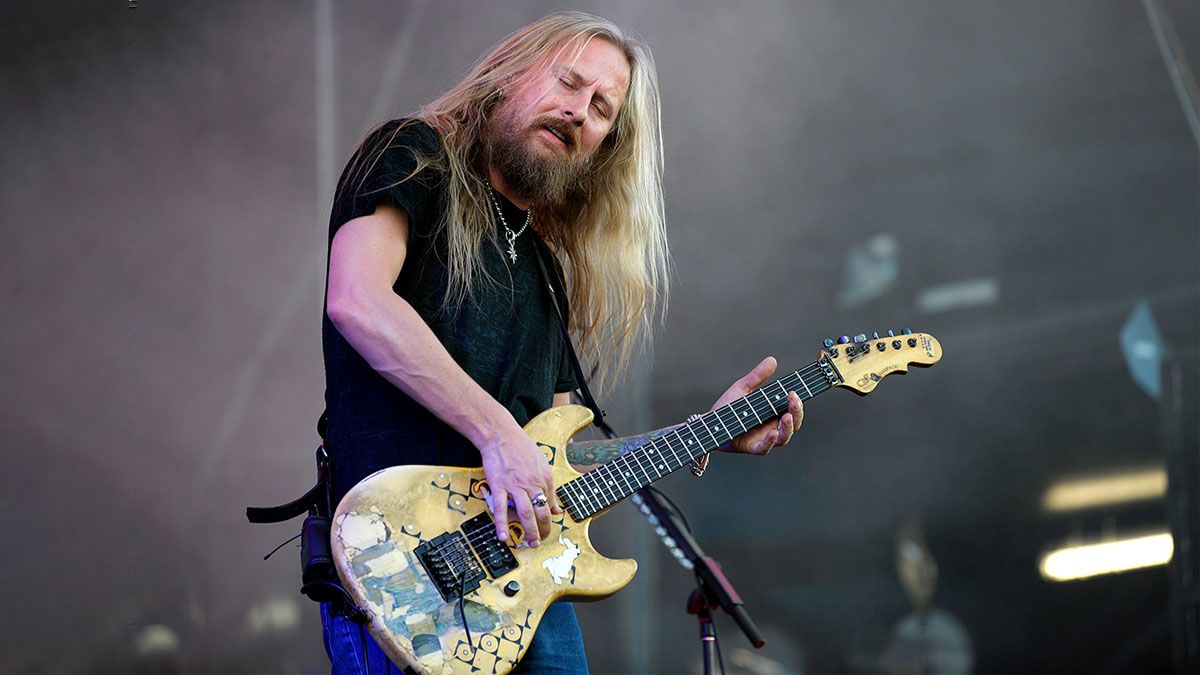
<point x="616" y="479"/>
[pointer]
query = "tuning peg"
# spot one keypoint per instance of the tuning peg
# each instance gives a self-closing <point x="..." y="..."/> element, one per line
<point x="828" y="342"/>
<point x="906" y="331"/>
<point x="875" y="335"/>
<point x="843" y="340"/>
<point x="891" y="333"/>
<point x="860" y="338"/>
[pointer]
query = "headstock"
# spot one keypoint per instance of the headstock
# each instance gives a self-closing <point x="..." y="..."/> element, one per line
<point x="862" y="362"/>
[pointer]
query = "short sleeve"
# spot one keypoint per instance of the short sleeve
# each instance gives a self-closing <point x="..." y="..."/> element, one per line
<point x="382" y="171"/>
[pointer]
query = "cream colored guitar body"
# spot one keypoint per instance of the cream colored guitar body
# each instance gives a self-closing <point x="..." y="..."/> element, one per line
<point x="381" y="522"/>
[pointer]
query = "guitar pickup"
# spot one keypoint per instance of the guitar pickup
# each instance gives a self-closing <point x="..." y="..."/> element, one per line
<point x="496" y="557"/>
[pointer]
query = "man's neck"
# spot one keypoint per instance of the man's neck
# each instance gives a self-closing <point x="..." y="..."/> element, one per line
<point x="500" y="186"/>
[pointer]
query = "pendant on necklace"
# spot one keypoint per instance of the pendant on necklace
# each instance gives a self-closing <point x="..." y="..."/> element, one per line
<point x="512" y="238"/>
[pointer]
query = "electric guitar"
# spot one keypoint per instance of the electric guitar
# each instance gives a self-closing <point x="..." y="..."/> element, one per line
<point x="417" y="549"/>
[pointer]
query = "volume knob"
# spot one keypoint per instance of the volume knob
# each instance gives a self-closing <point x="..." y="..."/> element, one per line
<point x="512" y="588"/>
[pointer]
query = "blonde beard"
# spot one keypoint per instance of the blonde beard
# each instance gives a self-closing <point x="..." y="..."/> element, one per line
<point x="553" y="185"/>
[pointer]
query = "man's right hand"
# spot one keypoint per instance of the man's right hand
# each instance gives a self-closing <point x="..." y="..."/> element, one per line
<point x="516" y="472"/>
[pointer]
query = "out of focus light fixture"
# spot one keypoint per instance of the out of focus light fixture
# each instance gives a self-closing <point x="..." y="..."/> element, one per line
<point x="1118" y="488"/>
<point x="1109" y="557"/>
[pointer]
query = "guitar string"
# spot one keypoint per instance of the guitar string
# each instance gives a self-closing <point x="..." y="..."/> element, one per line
<point x="720" y="415"/>
<point x="459" y="554"/>
<point x="813" y="373"/>
<point x="612" y="483"/>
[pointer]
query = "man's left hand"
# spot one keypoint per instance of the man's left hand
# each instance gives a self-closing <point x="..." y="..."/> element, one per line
<point x="772" y="433"/>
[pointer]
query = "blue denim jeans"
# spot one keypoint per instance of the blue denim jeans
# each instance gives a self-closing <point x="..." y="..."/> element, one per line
<point x="557" y="646"/>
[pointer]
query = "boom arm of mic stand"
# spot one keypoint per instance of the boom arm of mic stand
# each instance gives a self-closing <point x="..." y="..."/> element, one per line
<point x="716" y="588"/>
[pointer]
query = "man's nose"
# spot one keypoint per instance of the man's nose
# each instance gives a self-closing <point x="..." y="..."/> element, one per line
<point x="574" y="110"/>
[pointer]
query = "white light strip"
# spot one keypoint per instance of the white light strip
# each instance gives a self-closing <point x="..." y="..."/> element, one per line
<point x="958" y="295"/>
<point x="1083" y="493"/>
<point x="1121" y="555"/>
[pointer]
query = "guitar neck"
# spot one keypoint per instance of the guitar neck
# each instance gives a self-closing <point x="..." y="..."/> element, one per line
<point x="619" y="478"/>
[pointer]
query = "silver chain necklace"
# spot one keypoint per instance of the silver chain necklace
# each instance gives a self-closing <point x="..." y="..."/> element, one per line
<point x="508" y="233"/>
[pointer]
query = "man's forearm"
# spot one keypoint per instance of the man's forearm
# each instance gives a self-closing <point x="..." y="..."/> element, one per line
<point x="586" y="455"/>
<point x="397" y="343"/>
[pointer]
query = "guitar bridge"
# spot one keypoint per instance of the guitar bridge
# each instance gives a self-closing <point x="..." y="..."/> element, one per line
<point x="448" y="561"/>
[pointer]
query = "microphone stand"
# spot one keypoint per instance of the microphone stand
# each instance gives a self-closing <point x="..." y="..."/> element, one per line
<point x="713" y="589"/>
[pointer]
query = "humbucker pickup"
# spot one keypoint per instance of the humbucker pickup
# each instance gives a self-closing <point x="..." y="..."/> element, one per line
<point x="497" y="558"/>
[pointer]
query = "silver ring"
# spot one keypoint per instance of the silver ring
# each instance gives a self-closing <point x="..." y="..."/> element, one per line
<point x="539" y="499"/>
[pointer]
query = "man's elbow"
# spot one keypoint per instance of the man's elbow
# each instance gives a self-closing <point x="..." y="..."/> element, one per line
<point x="347" y="309"/>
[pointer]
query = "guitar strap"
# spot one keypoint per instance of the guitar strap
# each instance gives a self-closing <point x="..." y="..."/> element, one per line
<point x="584" y="393"/>
<point x="318" y="578"/>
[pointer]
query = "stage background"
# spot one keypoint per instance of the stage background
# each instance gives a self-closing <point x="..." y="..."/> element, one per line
<point x="1016" y="178"/>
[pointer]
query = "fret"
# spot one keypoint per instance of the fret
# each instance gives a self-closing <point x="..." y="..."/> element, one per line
<point x="683" y="446"/>
<point x="671" y="448"/>
<point x="715" y="442"/>
<point x="736" y="417"/>
<point x="624" y="474"/>
<point x="607" y="482"/>
<point x="810" y="394"/>
<point x="583" y="497"/>
<point x="657" y="460"/>
<point x="694" y="442"/>
<point x="780" y="397"/>
<point x="763" y="401"/>
<point x="596" y="488"/>
<point x="751" y="406"/>
<point x="593" y="484"/>
<point x="725" y="431"/>
<point x="637" y="457"/>
<point x="585" y="494"/>
<point x="627" y="474"/>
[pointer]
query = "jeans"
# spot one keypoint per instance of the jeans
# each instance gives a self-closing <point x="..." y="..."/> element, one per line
<point x="557" y="646"/>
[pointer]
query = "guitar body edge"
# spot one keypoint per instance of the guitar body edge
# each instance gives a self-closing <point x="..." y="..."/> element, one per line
<point x="385" y="517"/>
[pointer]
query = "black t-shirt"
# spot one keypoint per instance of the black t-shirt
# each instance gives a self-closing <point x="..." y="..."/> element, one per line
<point x="505" y="336"/>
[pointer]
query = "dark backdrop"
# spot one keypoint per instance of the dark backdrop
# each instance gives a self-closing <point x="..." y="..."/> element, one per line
<point x="1013" y="177"/>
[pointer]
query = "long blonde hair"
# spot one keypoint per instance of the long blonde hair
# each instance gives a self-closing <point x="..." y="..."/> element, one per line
<point x="613" y="247"/>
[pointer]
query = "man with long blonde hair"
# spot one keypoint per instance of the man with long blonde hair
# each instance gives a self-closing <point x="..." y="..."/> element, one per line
<point x="440" y="336"/>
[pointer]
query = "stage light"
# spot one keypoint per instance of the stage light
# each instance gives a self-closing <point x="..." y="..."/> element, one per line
<point x="1089" y="492"/>
<point x="1110" y="557"/>
<point x="958" y="295"/>
<point x="274" y="615"/>
<point x="872" y="267"/>
<point x="1144" y="350"/>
